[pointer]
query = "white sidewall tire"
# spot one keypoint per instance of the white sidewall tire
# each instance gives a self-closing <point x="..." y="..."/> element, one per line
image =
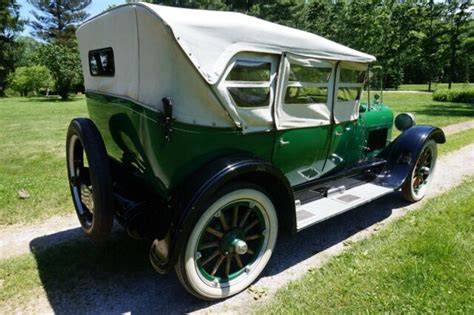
<point x="417" y="196"/>
<point x="212" y="291"/>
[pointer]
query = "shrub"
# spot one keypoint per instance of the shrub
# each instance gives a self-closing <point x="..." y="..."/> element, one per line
<point x="463" y="95"/>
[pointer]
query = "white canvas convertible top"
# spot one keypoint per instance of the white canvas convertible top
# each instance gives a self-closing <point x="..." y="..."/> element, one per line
<point x="185" y="54"/>
<point x="211" y="38"/>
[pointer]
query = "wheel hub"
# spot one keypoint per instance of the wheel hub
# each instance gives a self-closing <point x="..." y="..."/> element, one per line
<point x="240" y="247"/>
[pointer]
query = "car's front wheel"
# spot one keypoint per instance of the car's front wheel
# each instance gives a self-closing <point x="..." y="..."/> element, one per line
<point x="416" y="185"/>
<point x="230" y="243"/>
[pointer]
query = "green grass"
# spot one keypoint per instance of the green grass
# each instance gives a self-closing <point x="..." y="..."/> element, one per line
<point x="426" y="110"/>
<point x="32" y="157"/>
<point x="424" y="87"/>
<point x="420" y="264"/>
<point x="457" y="141"/>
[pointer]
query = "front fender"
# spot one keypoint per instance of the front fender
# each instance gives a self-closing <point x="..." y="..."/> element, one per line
<point x="192" y="197"/>
<point x="402" y="154"/>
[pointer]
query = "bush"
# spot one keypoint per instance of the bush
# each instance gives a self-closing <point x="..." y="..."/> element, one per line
<point x="463" y="95"/>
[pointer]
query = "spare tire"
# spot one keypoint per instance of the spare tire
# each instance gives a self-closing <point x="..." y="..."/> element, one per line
<point x="89" y="178"/>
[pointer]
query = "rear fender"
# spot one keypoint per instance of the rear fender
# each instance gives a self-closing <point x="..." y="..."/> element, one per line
<point x="402" y="154"/>
<point x="191" y="198"/>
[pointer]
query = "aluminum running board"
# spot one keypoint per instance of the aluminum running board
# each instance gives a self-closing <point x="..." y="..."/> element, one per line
<point x="325" y="208"/>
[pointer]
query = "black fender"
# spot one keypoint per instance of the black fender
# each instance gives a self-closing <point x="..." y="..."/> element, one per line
<point x="402" y="154"/>
<point x="191" y="198"/>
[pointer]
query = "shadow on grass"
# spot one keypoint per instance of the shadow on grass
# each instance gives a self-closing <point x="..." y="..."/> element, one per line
<point x="114" y="276"/>
<point x="448" y="109"/>
<point x="51" y="99"/>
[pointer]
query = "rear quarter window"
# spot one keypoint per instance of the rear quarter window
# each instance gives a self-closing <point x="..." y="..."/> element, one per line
<point x="101" y="62"/>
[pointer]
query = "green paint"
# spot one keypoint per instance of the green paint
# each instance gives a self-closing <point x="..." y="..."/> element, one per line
<point x="134" y="135"/>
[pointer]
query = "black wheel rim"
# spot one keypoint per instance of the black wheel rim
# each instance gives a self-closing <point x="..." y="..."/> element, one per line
<point x="80" y="181"/>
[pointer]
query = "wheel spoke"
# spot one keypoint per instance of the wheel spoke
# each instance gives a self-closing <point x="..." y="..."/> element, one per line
<point x="214" y="255"/>
<point x="223" y="222"/>
<point x="235" y="216"/>
<point x="247" y="228"/>
<point x="227" y="265"/>
<point x="250" y="252"/>
<point x="209" y="245"/>
<point x="245" y="217"/>
<point x="253" y="237"/>
<point x="214" y="232"/>
<point x="217" y="265"/>
<point x="239" y="261"/>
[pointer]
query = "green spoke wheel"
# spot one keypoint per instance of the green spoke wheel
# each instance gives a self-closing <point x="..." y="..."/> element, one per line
<point x="417" y="184"/>
<point x="230" y="244"/>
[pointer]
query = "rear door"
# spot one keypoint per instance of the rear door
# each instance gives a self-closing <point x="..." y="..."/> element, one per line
<point x="303" y="117"/>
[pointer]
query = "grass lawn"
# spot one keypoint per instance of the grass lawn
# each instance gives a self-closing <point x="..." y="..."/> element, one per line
<point x="419" y="264"/>
<point x="32" y="154"/>
<point x="424" y="87"/>
<point x="427" y="111"/>
<point x="32" y="157"/>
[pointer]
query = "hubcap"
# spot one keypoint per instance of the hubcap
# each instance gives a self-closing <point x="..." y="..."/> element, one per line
<point x="231" y="242"/>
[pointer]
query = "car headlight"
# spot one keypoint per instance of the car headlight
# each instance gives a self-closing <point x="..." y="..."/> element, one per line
<point x="405" y="121"/>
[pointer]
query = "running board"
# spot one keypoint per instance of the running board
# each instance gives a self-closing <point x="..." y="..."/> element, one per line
<point x="325" y="208"/>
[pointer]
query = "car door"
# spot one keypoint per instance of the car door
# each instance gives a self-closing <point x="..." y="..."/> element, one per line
<point x="344" y="150"/>
<point x="303" y="117"/>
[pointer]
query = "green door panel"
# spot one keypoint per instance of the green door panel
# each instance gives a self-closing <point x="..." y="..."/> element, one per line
<point x="343" y="149"/>
<point x="134" y="135"/>
<point x="301" y="153"/>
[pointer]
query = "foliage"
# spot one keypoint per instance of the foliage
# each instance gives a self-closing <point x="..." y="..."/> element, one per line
<point x="27" y="48"/>
<point x="10" y="26"/>
<point x="30" y="79"/>
<point x="64" y="64"/>
<point x="457" y="95"/>
<point x="56" y="20"/>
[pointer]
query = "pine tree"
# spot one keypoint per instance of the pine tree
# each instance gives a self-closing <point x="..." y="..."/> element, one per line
<point x="10" y="26"/>
<point x="56" y="20"/>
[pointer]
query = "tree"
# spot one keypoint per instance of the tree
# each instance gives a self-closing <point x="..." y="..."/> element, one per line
<point x="27" y="48"/>
<point x="30" y="79"/>
<point x="56" y="20"/>
<point x="10" y="26"/>
<point x="64" y="64"/>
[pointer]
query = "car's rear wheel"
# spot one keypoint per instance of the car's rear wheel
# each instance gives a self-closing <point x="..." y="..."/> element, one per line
<point x="89" y="178"/>
<point x="416" y="186"/>
<point x="230" y="243"/>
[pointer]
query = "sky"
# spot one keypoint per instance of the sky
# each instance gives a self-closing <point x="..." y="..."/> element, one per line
<point x="94" y="8"/>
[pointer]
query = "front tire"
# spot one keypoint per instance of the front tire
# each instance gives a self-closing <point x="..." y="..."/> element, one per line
<point x="230" y="244"/>
<point x="89" y="178"/>
<point x="415" y="187"/>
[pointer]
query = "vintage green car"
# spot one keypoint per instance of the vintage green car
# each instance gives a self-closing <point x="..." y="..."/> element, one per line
<point x="211" y="132"/>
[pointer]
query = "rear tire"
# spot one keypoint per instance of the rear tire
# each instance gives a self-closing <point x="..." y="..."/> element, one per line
<point x="230" y="244"/>
<point x="416" y="185"/>
<point x="89" y="178"/>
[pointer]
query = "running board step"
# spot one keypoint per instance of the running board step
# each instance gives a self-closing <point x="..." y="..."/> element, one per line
<point x="325" y="208"/>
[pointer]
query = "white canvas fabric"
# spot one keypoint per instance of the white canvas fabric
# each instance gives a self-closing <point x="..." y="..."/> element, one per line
<point x="212" y="38"/>
<point x="289" y="115"/>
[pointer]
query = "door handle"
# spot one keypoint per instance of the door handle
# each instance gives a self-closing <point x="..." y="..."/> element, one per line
<point x="283" y="142"/>
<point x="338" y="133"/>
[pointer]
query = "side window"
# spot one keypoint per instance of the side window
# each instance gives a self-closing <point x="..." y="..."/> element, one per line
<point x="101" y="62"/>
<point x="249" y="83"/>
<point x="307" y="85"/>
<point x="350" y="86"/>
